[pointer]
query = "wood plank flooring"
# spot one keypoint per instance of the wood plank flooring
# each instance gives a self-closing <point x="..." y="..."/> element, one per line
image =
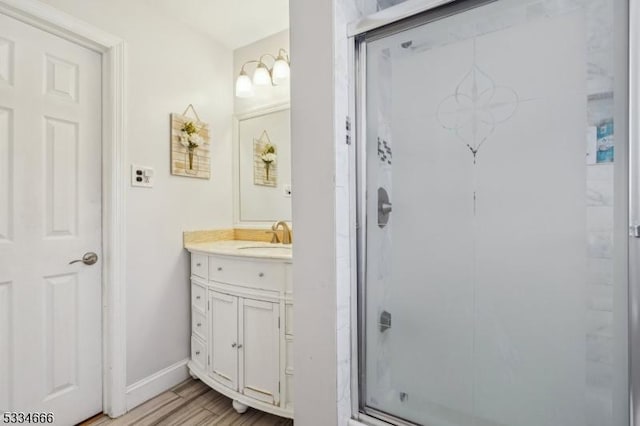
<point x="190" y="403"/>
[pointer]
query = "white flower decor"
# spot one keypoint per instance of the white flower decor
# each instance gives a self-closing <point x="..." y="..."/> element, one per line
<point x="189" y="136"/>
<point x="184" y="139"/>
<point x="196" y="139"/>
<point x="190" y="139"/>
<point x="268" y="156"/>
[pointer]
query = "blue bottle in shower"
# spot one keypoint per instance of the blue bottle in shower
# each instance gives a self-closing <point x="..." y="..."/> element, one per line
<point x="605" y="142"/>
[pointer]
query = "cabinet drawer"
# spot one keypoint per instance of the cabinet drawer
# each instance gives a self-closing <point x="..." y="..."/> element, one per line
<point x="198" y="353"/>
<point x="255" y="274"/>
<point x="199" y="265"/>
<point x="199" y="324"/>
<point x="198" y="296"/>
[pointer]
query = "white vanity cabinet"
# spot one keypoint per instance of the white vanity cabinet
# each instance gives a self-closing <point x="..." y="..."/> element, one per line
<point x="242" y="330"/>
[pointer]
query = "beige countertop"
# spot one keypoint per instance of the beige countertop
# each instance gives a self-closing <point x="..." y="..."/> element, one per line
<point x="242" y="248"/>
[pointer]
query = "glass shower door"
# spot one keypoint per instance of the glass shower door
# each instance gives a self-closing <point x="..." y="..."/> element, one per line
<point x="493" y="280"/>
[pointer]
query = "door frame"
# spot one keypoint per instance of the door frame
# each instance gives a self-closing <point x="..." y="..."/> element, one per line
<point x="112" y="49"/>
<point x="629" y="70"/>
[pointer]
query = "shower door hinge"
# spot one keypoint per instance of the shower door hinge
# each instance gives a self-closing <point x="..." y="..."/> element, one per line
<point x="348" y="128"/>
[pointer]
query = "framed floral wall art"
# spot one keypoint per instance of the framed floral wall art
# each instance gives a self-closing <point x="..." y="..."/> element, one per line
<point x="265" y="161"/>
<point x="190" y="146"/>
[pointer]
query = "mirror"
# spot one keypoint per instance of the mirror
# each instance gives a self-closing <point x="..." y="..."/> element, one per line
<point x="263" y="166"/>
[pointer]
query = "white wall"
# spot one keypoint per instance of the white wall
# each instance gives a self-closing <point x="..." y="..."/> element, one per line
<point x="169" y="66"/>
<point x="313" y="174"/>
<point x="323" y="207"/>
<point x="264" y="95"/>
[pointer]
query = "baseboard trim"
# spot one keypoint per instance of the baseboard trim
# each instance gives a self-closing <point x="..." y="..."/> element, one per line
<point x="149" y="387"/>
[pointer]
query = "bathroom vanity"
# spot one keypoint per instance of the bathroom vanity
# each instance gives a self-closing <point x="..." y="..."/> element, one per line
<point x="242" y="323"/>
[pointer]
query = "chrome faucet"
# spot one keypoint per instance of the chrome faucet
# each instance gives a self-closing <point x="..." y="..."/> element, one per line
<point x="286" y="232"/>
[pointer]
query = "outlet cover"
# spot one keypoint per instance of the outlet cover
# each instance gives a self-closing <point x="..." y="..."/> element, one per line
<point x="142" y="176"/>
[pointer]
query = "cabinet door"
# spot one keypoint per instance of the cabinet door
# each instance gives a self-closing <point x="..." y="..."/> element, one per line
<point x="260" y="350"/>
<point x="224" y="338"/>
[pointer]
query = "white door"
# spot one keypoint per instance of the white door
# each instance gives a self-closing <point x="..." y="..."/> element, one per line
<point x="259" y="353"/>
<point x="224" y="338"/>
<point x="50" y="214"/>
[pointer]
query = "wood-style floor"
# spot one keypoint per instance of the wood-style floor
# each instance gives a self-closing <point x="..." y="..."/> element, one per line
<point x="190" y="403"/>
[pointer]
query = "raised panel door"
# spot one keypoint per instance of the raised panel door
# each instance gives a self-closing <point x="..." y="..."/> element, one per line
<point x="224" y="338"/>
<point x="259" y="353"/>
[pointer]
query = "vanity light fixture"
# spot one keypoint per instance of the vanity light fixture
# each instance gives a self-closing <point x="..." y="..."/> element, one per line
<point x="263" y="75"/>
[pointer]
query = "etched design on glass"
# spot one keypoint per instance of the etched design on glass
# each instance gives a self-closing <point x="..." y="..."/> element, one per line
<point x="476" y="107"/>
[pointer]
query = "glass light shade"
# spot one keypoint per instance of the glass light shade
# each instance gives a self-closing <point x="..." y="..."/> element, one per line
<point x="280" y="71"/>
<point x="244" y="87"/>
<point x="261" y="76"/>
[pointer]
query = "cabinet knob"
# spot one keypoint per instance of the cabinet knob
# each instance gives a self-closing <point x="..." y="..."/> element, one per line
<point x="199" y="324"/>
<point x="197" y="352"/>
<point x="239" y="346"/>
<point x="233" y="345"/>
<point x="261" y="274"/>
<point x="219" y="268"/>
<point x="198" y="264"/>
<point x="197" y="297"/>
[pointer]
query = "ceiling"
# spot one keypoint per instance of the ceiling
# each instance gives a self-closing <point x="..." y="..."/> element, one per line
<point x="233" y="23"/>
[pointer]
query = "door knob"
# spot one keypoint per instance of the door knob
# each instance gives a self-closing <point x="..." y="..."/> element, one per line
<point x="89" y="258"/>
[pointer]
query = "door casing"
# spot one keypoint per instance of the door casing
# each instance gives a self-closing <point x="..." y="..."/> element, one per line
<point x="112" y="49"/>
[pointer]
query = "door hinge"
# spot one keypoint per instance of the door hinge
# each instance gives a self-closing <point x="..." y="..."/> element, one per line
<point x="278" y="322"/>
<point x="279" y="387"/>
<point x="634" y="231"/>
<point x="208" y="305"/>
<point x="209" y="359"/>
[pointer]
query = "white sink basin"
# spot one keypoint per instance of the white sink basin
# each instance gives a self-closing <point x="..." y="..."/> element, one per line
<point x="272" y="247"/>
<point x="267" y="250"/>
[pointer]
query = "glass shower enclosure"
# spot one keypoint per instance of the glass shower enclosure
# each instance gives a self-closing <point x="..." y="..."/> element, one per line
<point x="493" y="215"/>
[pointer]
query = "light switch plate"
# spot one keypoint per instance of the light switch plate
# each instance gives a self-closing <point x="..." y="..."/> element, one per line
<point x="142" y="176"/>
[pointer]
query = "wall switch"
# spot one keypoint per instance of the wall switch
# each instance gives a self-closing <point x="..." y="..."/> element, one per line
<point x="142" y="176"/>
<point x="287" y="191"/>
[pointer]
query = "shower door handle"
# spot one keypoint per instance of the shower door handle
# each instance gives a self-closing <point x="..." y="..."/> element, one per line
<point x="384" y="207"/>
<point x="385" y="321"/>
